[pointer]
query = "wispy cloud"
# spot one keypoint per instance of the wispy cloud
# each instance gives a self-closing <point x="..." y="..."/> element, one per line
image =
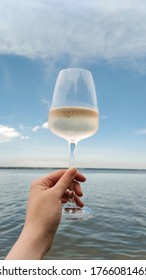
<point x="103" y="117"/>
<point x="24" y="137"/>
<point x="45" y="102"/>
<point x="141" y="131"/>
<point x="37" y="127"/>
<point x="82" y="30"/>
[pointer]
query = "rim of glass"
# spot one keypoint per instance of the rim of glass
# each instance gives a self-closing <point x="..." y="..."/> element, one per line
<point x="75" y="68"/>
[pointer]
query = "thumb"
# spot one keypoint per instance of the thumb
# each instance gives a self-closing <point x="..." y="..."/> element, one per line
<point x="64" y="182"/>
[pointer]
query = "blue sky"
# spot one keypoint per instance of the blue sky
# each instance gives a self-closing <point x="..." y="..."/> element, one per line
<point x="40" y="37"/>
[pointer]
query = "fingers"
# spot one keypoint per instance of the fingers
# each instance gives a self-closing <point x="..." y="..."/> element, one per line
<point x="75" y="186"/>
<point x="80" y="177"/>
<point x="77" y="200"/>
<point x="65" y="181"/>
<point x="52" y="178"/>
<point x="49" y="180"/>
<point x="61" y="180"/>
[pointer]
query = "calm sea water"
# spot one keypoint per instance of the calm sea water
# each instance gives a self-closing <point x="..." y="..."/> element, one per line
<point x="118" y="230"/>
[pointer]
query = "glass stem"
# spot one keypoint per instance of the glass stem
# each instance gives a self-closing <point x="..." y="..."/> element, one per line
<point x="72" y="147"/>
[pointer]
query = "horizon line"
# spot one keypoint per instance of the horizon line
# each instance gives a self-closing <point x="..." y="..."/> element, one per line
<point x="84" y="168"/>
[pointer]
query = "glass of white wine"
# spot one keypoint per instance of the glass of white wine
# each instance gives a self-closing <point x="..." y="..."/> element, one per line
<point x="74" y="116"/>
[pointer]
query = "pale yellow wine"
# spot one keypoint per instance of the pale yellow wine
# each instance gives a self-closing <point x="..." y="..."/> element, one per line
<point x="73" y="123"/>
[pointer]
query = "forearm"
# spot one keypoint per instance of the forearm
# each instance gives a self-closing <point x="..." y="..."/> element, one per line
<point x="29" y="246"/>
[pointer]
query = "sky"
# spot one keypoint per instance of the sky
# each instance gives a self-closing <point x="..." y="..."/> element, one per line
<point x="38" y="38"/>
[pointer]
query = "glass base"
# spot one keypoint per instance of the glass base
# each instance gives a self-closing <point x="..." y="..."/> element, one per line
<point x="76" y="213"/>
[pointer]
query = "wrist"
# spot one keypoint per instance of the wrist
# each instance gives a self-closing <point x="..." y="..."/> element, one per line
<point x="39" y="242"/>
<point x="31" y="245"/>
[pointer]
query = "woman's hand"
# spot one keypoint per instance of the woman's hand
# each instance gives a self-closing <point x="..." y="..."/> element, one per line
<point x="44" y="212"/>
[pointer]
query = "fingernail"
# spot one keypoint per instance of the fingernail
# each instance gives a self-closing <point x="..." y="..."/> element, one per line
<point x="83" y="176"/>
<point x="72" y="171"/>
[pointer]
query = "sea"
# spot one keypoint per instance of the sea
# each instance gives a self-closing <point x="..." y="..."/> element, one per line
<point x="116" y="232"/>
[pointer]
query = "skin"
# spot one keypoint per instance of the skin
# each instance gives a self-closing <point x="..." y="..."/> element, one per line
<point x="43" y="213"/>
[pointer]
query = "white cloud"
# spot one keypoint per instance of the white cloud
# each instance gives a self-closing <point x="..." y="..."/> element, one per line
<point x="83" y="30"/>
<point x="37" y="127"/>
<point x="7" y="133"/>
<point x="24" y="137"/>
<point x="45" y="125"/>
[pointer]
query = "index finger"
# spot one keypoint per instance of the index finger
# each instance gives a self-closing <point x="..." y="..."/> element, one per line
<point x="52" y="178"/>
<point x="65" y="181"/>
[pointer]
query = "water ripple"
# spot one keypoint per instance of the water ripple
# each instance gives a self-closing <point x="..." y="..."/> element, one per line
<point x="116" y="232"/>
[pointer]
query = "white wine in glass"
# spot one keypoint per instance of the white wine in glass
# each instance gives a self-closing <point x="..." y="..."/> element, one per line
<point x="74" y="116"/>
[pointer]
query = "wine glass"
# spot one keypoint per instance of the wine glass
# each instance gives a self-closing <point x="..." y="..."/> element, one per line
<point x="74" y="116"/>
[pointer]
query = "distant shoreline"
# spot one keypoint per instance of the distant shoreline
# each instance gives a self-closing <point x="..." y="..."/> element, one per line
<point x="80" y="168"/>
